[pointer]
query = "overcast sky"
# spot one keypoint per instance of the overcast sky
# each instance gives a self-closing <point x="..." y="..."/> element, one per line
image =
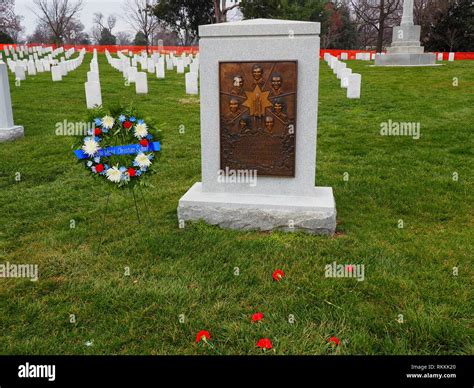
<point x="107" y="7"/>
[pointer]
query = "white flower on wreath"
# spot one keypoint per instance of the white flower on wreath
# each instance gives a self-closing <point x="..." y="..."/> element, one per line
<point x="108" y="122"/>
<point x="141" y="130"/>
<point x="114" y="174"/>
<point x="90" y="147"/>
<point x="143" y="161"/>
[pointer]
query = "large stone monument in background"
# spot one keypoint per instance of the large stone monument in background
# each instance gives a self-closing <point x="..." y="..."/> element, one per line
<point x="8" y="131"/>
<point x="259" y="114"/>
<point x="406" y="49"/>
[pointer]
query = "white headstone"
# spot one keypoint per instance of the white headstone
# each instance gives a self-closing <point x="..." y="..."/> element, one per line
<point x="192" y="83"/>
<point x="92" y="76"/>
<point x="341" y="67"/>
<point x="46" y="65"/>
<point x="180" y="66"/>
<point x="141" y="83"/>
<point x="39" y="66"/>
<point x="132" y="74"/>
<point x="440" y="56"/>
<point x="31" y="68"/>
<point x="160" y="69"/>
<point x="63" y="67"/>
<point x="451" y="57"/>
<point x="353" y="90"/>
<point x="345" y="74"/>
<point x="93" y="95"/>
<point x="94" y="66"/>
<point x="20" y="72"/>
<point x="8" y="131"/>
<point x="344" y="56"/>
<point x="56" y="73"/>
<point x="143" y="63"/>
<point x="151" y="66"/>
<point x="194" y="67"/>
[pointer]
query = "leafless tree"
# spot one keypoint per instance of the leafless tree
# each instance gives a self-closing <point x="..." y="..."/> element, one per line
<point x="74" y="32"/>
<point x="100" y="23"/>
<point x="99" y="20"/>
<point x="9" y="21"/>
<point x="427" y="13"/>
<point x="123" y="38"/>
<point x="381" y="15"/>
<point x="137" y="13"/>
<point x="57" y="14"/>
<point x="42" y="34"/>
<point x="7" y="13"/>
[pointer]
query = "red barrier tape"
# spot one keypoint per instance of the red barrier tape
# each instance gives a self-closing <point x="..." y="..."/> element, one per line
<point x="195" y="49"/>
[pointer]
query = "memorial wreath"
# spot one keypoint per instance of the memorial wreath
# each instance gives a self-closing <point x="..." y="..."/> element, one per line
<point x="120" y="146"/>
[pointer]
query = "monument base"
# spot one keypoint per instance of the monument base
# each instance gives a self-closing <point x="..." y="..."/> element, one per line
<point x="9" y="134"/>
<point x="406" y="59"/>
<point x="313" y="214"/>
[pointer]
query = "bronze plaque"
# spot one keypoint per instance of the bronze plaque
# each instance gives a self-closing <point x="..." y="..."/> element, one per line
<point x="258" y="116"/>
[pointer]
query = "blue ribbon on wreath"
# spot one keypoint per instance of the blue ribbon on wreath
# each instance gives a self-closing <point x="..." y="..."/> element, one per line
<point x="131" y="149"/>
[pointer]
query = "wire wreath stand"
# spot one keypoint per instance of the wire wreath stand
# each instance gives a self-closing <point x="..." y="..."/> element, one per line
<point x="136" y="195"/>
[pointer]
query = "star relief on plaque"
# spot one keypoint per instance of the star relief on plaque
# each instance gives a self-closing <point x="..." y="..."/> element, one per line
<point x="258" y="116"/>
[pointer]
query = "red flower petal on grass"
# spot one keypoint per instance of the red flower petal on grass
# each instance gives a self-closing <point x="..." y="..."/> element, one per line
<point x="257" y="317"/>
<point x="132" y="172"/>
<point x="334" y="340"/>
<point x="99" y="168"/>
<point x="97" y="131"/>
<point x="202" y="334"/>
<point x="264" y="343"/>
<point x="144" y="143"/>
<point x="278" y="275"/>
<point x="127" y="125"/>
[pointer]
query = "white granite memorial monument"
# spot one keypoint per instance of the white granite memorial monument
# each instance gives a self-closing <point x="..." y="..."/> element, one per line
<point x="406" y="49"/>
<point x="267" y="65"/>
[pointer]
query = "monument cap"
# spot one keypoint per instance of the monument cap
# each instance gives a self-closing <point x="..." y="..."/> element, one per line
<point x="260" y="27"/>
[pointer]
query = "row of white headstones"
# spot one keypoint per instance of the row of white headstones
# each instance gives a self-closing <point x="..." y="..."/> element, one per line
<point x="22" y="60"/>
<point x="40" y="60"/>
<point x="350" y="81"/>
<point x="371" y="56"/>
<point x="129" y="65"/>
<point x="92" y="86"/>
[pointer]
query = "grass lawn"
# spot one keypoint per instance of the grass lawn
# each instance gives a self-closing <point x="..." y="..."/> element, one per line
<point x="191" y="273"/>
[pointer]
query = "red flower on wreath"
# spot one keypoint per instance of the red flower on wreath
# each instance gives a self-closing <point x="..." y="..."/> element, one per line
<point x="97" y="131"/>
<point x="127" y="125"/>
<point x="334" y="341"/>
<point x="99" y="168"/>
<point x="257" y="317"/>
<point x="264" y="343"/>
<point x="132" y="172"/>
<point x="144" y="143"/>
<point x="278" y="275"/>
<point x="203" y="335"/>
